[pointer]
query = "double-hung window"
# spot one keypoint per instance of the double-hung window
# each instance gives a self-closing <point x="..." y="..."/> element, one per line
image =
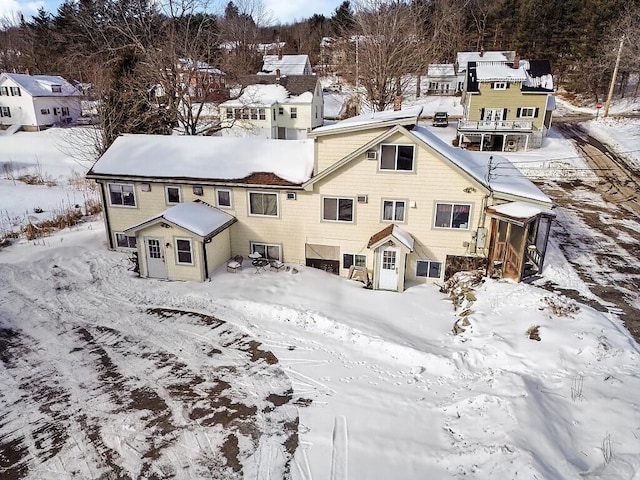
<point x="184" y="255"/>
<point x="393" y="210"/>
<point x="122" y="194"/>
<point x="500" y="85"/>
<point x="266" y="250"/>
<point x="125" y="241"/>
<point x="527" y="112"/>
<point x="5" y="112"/>
<point x="263" y="204"/>
<point x="428" y="268"/>
<point x="229" y="113"/>
<point x="349" y="259"/>
<point x="294" y="112"/>
<point x="262" y="114"/>
<point x="15" y="91"/>
<point x="174" y="194"/>
<point x="452" y="215"/>
<point x="223" y="198"/>
<point x="396" y="157"/>
<point x="336" y="209"/>
<point x="4" y="91"/>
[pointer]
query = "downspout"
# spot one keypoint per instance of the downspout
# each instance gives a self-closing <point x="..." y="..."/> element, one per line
<point x="105" y="212"/>
<point x="204" y="258"/>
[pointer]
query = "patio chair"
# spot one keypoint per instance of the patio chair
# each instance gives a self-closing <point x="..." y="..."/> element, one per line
<point x="276" y="265"/>
<point x="235" y="264"/>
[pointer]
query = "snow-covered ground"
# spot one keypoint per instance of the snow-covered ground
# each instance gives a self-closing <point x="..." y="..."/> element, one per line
<point x="97" y="375"/>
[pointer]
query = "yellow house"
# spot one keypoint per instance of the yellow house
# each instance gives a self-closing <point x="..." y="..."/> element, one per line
<point x="507" y="106"/>
<point x="377" y="196"/>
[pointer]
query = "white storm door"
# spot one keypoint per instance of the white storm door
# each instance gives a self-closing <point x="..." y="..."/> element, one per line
<point x="156" y="267"/>
<point x="388" y="269"/>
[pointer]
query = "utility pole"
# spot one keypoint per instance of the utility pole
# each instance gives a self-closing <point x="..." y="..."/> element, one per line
<point x="613" y="78"/>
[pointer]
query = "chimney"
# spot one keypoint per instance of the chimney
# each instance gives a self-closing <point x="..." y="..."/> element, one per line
<point x="481" y="52"/>
<point x="279" y="53"/>
<point x="516" y="61"/>
<point x="277" y="75"/>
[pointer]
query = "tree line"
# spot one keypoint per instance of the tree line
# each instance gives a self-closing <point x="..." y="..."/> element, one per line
<point x="126" y="48"/>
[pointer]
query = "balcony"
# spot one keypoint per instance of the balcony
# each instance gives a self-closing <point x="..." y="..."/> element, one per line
<point x="495" y="126"/>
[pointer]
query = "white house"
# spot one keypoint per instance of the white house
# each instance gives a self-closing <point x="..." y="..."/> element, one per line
<point x="286" y="64"/>
<point x="283" y="107"/>
<point x="37" y="101"/>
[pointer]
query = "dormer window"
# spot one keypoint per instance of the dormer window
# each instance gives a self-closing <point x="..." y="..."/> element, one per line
<point x="56" y="88"/>
<point x="500" y="85"/>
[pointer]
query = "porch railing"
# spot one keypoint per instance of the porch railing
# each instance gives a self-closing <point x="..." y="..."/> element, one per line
<point x="502" y="125"/>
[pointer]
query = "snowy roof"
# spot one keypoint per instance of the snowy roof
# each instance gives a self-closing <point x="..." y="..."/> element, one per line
<point x="196" y="217"/>
<point x="264" y="95"/>
<point x="206" y="158"/>
<point x="463" y="58"/>
<point x="372" y="119"/>
<point x="288" y="64"/>
<point x="505" y="177"/>
<point x="198" y="65"/>
<point x="440" y="70"/>
<point x="295" y="84"/>
<point x="394" y="231"/>
<point x="500" y="71"/>
<point x="41" y="85"/>
<point x="520" y="210"/>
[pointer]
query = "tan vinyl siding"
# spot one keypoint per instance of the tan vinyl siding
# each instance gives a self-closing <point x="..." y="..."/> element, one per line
<point x="332" y="148"/>
<point x="218" y="251"/>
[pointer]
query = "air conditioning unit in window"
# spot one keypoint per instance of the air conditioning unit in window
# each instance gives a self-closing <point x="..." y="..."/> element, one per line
<point x="363" y="198"/>
<point x="198" y="191"/>
<point x="291" y="195"/>
<point x="372" y="155"/>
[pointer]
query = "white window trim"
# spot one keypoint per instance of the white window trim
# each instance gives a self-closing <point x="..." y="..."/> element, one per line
<point x="353" y="255"/>
<point x="428" y="262"/>
<point x="533" y="112"/>
<point x="266" y="246"/>
<point x="230" y="197"/>
<point x="353" y="209"/>
<point x="122" y="205"/>
<point x="115" y="239"/>
<point x="453" y="204"/>
<point x="293" y="112"/>
<point x="277" y="195"/>
<point x="395" y="169"/>
<point x="166" y="194"/>
<point x="395" y="201"/>
<point x="499" y="85"/>
<point x="4" y="109"/>
<point x="175" y="246"/>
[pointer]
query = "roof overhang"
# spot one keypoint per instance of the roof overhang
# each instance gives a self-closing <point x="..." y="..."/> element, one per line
<point x="519" y="213"/>
<point x="394" y="234"/>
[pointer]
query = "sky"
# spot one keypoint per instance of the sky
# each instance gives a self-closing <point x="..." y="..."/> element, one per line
<point x="284" y="11"/>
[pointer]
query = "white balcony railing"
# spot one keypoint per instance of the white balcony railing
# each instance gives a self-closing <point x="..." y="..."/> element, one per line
<point x="502" y="125"/>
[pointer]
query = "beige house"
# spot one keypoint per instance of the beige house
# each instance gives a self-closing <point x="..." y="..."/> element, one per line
<point x="376" y="195"/>
<point x="507" y="106"/>
<point x="274" y="106"/>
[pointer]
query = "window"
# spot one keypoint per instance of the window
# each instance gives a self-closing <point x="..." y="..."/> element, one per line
<point x="527" y="112"/>
<point x="262" y="114"/>
<point x="393" y="210"/>
<point x="45" y="111"/>
<point x="65" y="111"/>
<point x="223" y="198"/>
<point x="5" y="112"/>
<point x="294" y="112"/>
<point x="452" y="215"/>
<point x="500" y="85"/>
<point x="183" y="251"/>
<point x="122" y="194"/>
<point x="245" y="114"/>
<point x="125" y="241"/>
<point x="254" y="114"/>
<point x="428" y="268"/>
<point x="268" y="251"/>
<point x="337" y="209"/>
<point x="173" y="194"/>
<point x="396" y="157"/>
<point x="4" y="91"/>
<point x="56" y="88"/>
<point x="356" y="260"/>
<point x="15" y="91"/>
<point x="263" y="204"/>
<point x="199" y="191"/>
<point x="274" y="113"/>
<point x="229" y="113"/>
<point x="56" y="110"/>
<point x="280" y="111"/>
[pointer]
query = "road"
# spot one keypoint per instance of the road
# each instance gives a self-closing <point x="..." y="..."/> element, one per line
<point x="598" y="226"/>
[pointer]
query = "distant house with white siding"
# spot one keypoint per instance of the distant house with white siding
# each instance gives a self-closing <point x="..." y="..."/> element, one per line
<point x="37" y="101"/>
<point x="270" y="106"/>
<point x="286" y="64"/>
<point x="376" y="194"/>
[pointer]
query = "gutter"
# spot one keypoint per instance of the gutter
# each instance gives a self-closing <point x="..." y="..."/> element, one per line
<point x="105" y="212"/>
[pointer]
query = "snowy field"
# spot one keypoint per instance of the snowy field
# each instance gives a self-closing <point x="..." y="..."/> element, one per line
<point x="265" y="375"/>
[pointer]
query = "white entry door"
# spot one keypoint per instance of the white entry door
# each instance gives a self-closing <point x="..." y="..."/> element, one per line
<point x="493" y="114"/>
<point x="388" y="269"/>
<point x="156" y="267"/>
